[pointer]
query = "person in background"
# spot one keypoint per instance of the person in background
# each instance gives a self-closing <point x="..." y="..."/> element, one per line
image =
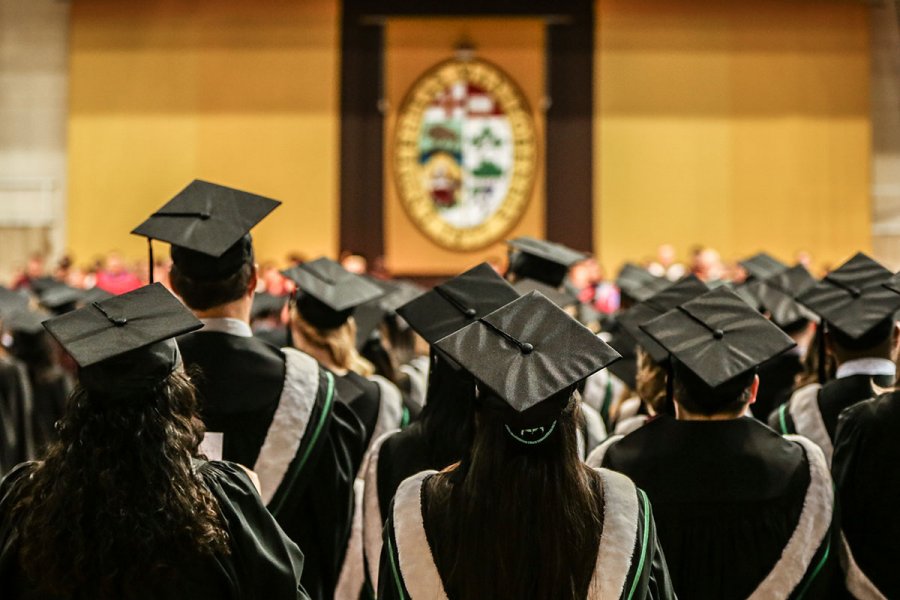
<point x="521" y="516"/>
<point x="273" y="409"/>
<point x="17" y="442"/>
<point x="866" y="455"/>
<point x="114" y="277"/>
<point x="857" y="314"/>
<point x="666" y="265"/>
<point x="741" y="511"/>
<point x="124" y="506"/>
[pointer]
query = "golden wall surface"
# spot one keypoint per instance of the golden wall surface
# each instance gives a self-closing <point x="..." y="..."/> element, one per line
<point x="738" y="125"/>
<point x="239" y="93"/>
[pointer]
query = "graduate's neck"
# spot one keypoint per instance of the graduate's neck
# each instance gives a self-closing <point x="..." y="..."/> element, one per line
<point x="238" y="309"/>
<point x="682" y="414"/>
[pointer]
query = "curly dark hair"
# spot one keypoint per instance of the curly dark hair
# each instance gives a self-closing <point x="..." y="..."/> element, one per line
<point x="117" y="500"/>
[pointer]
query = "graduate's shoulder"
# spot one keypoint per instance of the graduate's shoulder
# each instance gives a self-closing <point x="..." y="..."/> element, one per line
<point x="195" y="344"/>
<point x="881" y="412"/>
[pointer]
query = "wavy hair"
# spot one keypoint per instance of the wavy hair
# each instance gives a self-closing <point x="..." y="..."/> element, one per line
<point x="515" y="520"/>
<point x="338" y="343"/>
<point x="117" y="500"/>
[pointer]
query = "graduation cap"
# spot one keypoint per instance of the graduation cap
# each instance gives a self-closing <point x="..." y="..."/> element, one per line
<point x="400" y="292"/>
<point x="561" y="298"/>
<point x="717" y="336"/>
<point x="24" y="322"/>
<point x="778" y="295"/>
<point x="209" y="227"/>
<point x="124" y="345"/>
<point x="328" y="293"/>
<point x="638" y="283"/>
<point x="852" y="299"/>
<point x="747" y="291"/>
<point x="457" y="302"/>
<point x="95" y="294"/>
<point x="525" y="354"/>
<point x="762" y="266"/>
<point x="11" y="301"/>
<point x="265" y="304"/>
<point x="368" y="317"/>
<point x="687" y="288"/>
<point x="625" y="369"/>
<point x="61" y="298"/>
<point x="541" y="260"/>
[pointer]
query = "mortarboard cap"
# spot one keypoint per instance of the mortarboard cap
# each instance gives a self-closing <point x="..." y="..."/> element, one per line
<point x="687" y="288"/>
<point x="762" y="266"/>
<point x="717" y="336"/>
<point x="11" y="301"/>
<point x="61" y="298"/>
<point x="625" y="369"/>
<point x="401" y="292"/>
<point x="852" y="299"/>
<point x="541" y="260"/>
<point x="24" y="321"/>
<point x="638" y="283"/>
<point x="124" y="345"/>
<point x="368" y="317"/>
<point x="95" y="294"/>
<point x="265" y="304"/>
<point x="778" y="295"/>
<point x="524" y="354"/>
<point x="209" y="227"/>
<point x="558" y="297"/>
<point x="328" y="293"/>
<point x="457" y="302"/>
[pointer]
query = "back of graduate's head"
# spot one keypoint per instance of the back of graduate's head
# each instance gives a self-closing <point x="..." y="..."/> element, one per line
<point x="697" y="397"/>
<point x="116" y="498"/>
<point x="877" y="342"/>
<point x="448" y="416"/>
<point x="204" y="294"/>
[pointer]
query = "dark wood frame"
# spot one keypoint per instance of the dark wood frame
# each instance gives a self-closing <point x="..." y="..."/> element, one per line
<point x="569" y="118"/>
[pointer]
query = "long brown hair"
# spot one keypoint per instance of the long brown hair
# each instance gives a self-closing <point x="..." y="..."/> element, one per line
<point x="117" y="501"/>
<point x="515" y="520"/>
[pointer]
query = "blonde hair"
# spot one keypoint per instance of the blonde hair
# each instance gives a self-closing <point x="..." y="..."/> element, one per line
<point x="338" y="343"/>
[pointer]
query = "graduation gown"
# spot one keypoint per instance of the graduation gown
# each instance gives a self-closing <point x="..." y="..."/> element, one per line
<point x="629" y="560"/>
<point x="866" y="455"/>
<point x="278" y="413"/>
<point x="813" y="410"/>
<point x="263" y="563"/>
<point x="776" y="380"/>
<point x="16" y="415"/>
<point x="379" y="404"/>
<point x="741" y="511"/>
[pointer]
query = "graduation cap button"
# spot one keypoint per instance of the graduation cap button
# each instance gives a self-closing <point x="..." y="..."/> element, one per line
<point x="471" y="312"/>
<point x="526" y="348"/>
<point x="718" y="334"/>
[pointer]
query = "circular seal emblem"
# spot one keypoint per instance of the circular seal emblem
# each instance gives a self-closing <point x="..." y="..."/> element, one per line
<point x="465" y="154"/>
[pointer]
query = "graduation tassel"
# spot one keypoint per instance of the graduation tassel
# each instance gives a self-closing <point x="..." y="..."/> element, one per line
<point x="822" y="354"/>
<point x="150" y="264"/>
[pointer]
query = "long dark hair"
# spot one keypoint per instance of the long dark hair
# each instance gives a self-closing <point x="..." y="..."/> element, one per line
<point x="515" y="520"/>
<point x="117" y="501"/>
<point x="448" y="417"/>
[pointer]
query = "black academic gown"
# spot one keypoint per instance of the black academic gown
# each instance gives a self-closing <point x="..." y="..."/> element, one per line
<point x="729" y="498"/>
<point x="16" y="415"/>
<point x="263" y="563"/>
<point x="866" y="455"/>
<point x="279" y="414"/>
<point x="813" y="410"/>
<point x="776" y="380"/>
<point x="629" y="563"/>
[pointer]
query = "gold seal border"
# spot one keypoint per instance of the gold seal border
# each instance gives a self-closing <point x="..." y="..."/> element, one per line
<point x="415" y="199"/>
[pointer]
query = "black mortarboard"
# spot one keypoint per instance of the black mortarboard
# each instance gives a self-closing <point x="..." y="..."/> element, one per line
<point x="457" y="302"/>
<point x="625" y="369"/>
<point x="209" y="227"/>
<point x="717" y="336"/>
<point x="11" y="301"/>
<point x="400" y="292"/>
<point x="95" y="294"/>
<point x="762" y="266"/>
<point x="265" y="304"/>
<point x="544" y="261"/>
<point x="687" y="288"/>
<point x="746" y="291"/>
<point x="368" y="317"/>
<point x="124" y="345"/>
<point x="526" y="353"/>
<point x="24" y="321"/>
<point x="638" y="283"/>
<point x="328" y="293"/>
<point x="61" y="298"/>
<point x="778" y="295"/>
<point x="561" y="298"/>
<point x="852" y="298"/>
